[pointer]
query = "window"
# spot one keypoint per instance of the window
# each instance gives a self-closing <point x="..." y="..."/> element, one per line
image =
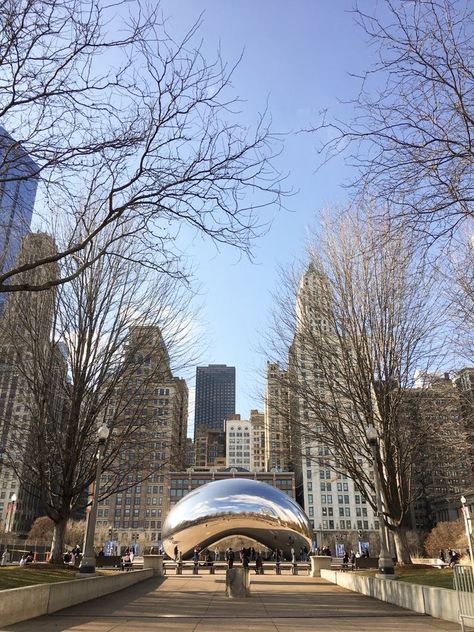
<point x="310" y="499"/>
<point x="341" y="511"/>
<point x="310" y="511"/>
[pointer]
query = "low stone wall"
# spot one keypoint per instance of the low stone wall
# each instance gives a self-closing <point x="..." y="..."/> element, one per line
<point x="20" y="604"/>
<point x="441" y="603"/>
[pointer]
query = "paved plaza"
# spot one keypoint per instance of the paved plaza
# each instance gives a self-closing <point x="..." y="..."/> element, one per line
<point x="198" y="604"/>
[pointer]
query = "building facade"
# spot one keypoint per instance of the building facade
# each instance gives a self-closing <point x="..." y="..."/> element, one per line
<point x="438" y="404"/>
<point x="25" y="331"/>
<point x="245" y="442"/>
<point x="181" y="483"/>
<point x="277" y="419"/>
<point x="209" y="448"/>
<point x="160" y="401"/>
<point x="337" y="510"/>
<point x="18" y="184"/>
<point x="215" y="396"/>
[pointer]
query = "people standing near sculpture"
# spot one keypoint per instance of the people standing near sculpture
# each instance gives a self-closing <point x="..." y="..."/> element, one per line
<point x="229" y="556"/>
<point x="259" y="564"/>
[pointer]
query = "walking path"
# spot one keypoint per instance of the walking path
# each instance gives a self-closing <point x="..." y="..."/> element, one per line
<point x="198" y="604"/>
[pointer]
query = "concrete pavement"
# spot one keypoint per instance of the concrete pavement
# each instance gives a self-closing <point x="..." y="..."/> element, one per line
<point x="198" y="604"/>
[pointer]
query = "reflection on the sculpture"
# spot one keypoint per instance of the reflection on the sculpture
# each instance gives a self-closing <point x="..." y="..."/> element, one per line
<point x="236" y="506"/>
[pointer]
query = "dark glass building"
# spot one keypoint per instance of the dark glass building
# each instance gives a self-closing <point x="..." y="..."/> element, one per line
<point x="215" y="396"/>
<point x="18" y="183"/>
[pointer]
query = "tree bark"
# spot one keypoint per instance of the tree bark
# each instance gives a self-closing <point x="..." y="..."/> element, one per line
<point x="401" y="546"/>
<point x="57" y="545"/>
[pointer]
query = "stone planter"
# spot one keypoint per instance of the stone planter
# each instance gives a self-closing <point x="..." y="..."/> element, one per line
<point x="317" y="563"/>
<point x="155" y="562"/>
<point x="237" y="582"/>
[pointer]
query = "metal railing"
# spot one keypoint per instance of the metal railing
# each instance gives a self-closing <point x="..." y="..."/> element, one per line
<point x="464" y="585"/>
<point x="195" y="568"/>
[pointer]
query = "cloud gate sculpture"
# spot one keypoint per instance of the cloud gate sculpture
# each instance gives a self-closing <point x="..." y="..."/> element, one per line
<point x="236" y="506"/>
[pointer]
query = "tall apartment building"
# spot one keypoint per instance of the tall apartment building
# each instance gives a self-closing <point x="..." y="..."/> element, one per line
<point x="215" y="396"/>
<point x="331" y="499"/>
<point x="438" y="404"/>
<point x="25" y="329"/>
<point x="277" y="419"/>
<point x="245" y="442"/>
<point x="136" y="514"/>
<point x="18" y="183"/>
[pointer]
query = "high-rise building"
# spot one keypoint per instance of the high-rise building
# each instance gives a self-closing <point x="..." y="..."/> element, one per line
<point x="160" y="401"/>
<point x="331" y="499"/>
<point x="215" y="396"/>
<point x="245" y="442"/>
<point x="18" y="183"/>
<point x="437" y="405"/>
<point x="25" y="330"/>
<point x="277" y="419"/>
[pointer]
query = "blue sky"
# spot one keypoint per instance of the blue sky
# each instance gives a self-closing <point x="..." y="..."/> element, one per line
<point x="299" y="57"/>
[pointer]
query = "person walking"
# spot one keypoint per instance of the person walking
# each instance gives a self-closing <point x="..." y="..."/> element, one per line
<point x="258" y="564"/>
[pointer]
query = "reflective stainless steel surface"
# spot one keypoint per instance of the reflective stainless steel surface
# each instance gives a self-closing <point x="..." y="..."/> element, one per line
<point x="236" y="506"/>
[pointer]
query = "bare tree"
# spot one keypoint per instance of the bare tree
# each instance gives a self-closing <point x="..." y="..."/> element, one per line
<point x="411" y="135"/>
<point x="116" y="331"/>
<point x="358" y="324"/>
<point x="458" y="270"/>
<point x="129" y="131"/>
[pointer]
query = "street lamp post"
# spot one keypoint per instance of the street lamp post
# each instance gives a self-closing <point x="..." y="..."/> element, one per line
<point x="468" y="527"/>
<point x="88" y="559"/>
<point x="385" y="559"/>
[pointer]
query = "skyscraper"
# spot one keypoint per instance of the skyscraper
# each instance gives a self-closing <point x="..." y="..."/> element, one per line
<point x="332" y="500"/>
<point x="215" y="396"/>
<point x="149" y="393"/>
<point x="18" y="183"/>
<point x="25" y="333"/>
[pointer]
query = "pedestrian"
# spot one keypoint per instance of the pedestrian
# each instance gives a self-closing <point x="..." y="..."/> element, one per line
<point x="441" y="556"/>
<point x="229" y="556"/>
<point x="196" y="555"/>
<point x="345" y="561"/>
<point x="353" y="560"/>
<point x="175" y="553"/>
<point x="258" y="564"/>
<point x="217" y="555"/>
<point x="245" y="560"/>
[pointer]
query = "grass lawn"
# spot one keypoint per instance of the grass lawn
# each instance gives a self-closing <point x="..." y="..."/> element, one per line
<point x="16" y="577"/>
<point x="440" y="577"/>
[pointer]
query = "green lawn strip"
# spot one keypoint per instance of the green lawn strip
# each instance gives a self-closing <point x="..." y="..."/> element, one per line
<point x="441" y="578"/>
<point x="14" y="577"/>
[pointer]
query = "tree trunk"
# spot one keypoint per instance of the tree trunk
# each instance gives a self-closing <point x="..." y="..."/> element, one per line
<point x="57" y="545"/>
<point x="401" y="546"/>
